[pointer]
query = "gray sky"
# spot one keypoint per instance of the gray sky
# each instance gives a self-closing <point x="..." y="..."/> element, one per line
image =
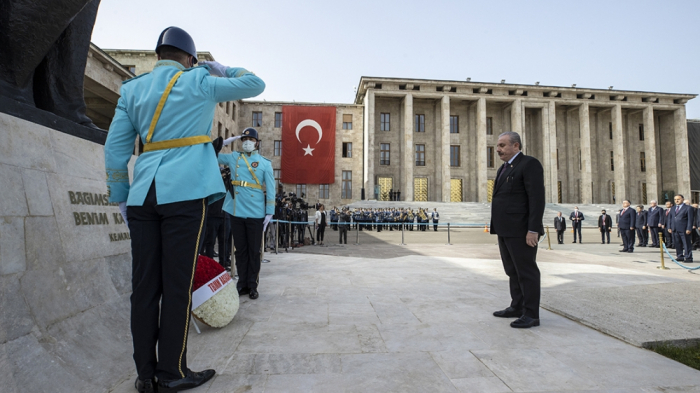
<point x="317" y="50"/>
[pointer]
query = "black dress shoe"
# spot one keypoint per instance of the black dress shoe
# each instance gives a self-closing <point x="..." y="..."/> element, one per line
<point x="192" y="380"/>
<point x="680" y="259"/>
<point x="630" y="250"/>
<point x="243" y="291"/>
<point x="254" y="294"/>
<point x="525" y="322"/>
<point x="623" y="250"/>
<point x="145" y="386"/>
<point x="509" y="312"/>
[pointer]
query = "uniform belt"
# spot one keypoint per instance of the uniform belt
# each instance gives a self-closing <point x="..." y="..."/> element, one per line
<point x="175" y="143"/>
<point x="246" y="184"/>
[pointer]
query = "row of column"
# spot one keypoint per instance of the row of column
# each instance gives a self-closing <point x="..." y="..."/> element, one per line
<point x="549" y="148"/>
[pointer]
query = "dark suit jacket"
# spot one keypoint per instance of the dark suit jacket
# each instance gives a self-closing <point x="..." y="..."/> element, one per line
<point x="627" y="220"/>
<point x="681" y="221"/>
<point x="640" y="219"/>
<point x="654" y="217"/>
<point x="560" y="225"/>
<point x="663" y="219"/>
<point x="580" y="216"/>
<point x="517" y="203"/>
<point x="608" y="222"/>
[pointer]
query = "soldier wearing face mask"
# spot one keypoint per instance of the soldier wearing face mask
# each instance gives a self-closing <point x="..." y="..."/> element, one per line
<point x="251" y="205"/>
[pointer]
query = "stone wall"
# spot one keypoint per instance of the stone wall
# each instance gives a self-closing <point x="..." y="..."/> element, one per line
<point x="65" y="265"/>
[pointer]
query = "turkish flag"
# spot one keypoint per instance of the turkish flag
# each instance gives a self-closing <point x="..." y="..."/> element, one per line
<point x="308" y="144"/>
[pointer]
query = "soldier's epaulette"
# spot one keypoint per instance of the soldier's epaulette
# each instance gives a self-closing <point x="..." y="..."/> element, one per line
<point x="134" y="78"/>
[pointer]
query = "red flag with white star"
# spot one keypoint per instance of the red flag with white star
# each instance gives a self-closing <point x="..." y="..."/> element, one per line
<point x="308" y="144"/>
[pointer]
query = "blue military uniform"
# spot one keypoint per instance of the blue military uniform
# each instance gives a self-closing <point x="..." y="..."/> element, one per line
<point x="171" y="110"/>
<point x="249" y="205"/>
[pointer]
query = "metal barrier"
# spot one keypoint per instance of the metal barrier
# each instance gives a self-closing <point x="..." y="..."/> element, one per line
<point x="674" y="259"/>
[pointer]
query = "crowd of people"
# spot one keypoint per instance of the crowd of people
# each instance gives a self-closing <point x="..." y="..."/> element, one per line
<point x="384" y="219"/>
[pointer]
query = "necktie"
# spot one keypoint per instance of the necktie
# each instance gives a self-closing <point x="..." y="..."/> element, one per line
<point x="503" y="169"/>
<point x="677" y="207"/>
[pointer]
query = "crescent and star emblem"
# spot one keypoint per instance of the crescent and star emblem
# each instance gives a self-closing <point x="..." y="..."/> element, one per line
<point x="312" y="123"/>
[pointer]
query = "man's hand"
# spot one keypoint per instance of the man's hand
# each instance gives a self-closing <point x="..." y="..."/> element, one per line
<point x="215" y="68"/>
<point x="644" y="227"/>
<point x="669" y="231"/>
<point x="687" y="232"/>
<point x="531" y="239"/>
<point x="267" y="221"/>
<point x="122" y="210"/>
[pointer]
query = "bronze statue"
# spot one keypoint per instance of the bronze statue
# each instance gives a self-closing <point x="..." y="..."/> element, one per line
<point x="43" y="51"/>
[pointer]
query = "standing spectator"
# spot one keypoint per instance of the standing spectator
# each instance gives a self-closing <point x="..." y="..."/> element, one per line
<point x="320" y="219"/>
<point x="560" y="226"/>
<point x="626" y="226"/>
<point x="436" y="217"/>
<point x="343" y="224"/>
<point x="640" y="224"/>
<point x="576" y="217"/>
<point x="680" y="224"/>
<point x="696" y="228"/>
<point x="654" y="222"/>
<point x="668" y="238"/>
<point x="519" y="188"/>
<point x="605" y="226"/>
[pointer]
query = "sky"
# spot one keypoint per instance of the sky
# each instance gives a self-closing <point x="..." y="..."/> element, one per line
<point x="316" y="51"/>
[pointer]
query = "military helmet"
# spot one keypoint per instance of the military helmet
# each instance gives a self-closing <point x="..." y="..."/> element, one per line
<point x="250" y="132"/>
<point x="178" y="38"/>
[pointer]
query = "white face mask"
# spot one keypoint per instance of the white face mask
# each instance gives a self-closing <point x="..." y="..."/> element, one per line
<point x="248" y="146"/>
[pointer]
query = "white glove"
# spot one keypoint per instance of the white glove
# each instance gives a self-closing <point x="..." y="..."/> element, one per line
<point x="215" y="68"/>
<point x="267" y="221"/>
<point x="228" y="141"/>
<point x="122" y="210"/>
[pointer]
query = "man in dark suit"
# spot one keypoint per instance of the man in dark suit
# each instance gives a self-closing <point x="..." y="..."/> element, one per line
<point x="680" y="225"/>
<point x="668" y="238"/>
<point x="560" y="226"/>
<point x="654" y="222"/>
<point x="576" y="217"/>
<point x="517" y="207"/>
<point x="605" y="226"/>
<point x="640" y="224"/>
<point x="626" y="226"/>
<point x="696" y="227"/>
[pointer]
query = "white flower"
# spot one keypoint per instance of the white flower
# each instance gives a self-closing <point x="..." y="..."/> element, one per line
<point x="220" y="309"/>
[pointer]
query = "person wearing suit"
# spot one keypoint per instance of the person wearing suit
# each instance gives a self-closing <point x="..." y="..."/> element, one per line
<point x="680" y="225"/>
<point x="626" y="226"/>
<point x="654" y="222"/>
<point x="668" y="238"/>
<point x="605" y="226"/>
<point x="576" y="217"/>
<point x="560" y="226"/>
<point x="517" y="207"/>
<point x="696" y="227"/>
<point x="640" y="224"/>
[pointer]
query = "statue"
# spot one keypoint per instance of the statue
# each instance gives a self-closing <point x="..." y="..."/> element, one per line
<point x="43" y="51"/>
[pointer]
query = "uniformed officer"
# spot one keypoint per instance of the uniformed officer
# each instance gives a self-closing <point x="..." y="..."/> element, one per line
<point x="171" y="109"/>
<point x="250" y="207"/>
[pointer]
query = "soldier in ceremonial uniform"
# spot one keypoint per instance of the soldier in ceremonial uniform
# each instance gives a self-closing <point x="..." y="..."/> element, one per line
<point x="250" y="207"/>
<point x="171" y="109"/>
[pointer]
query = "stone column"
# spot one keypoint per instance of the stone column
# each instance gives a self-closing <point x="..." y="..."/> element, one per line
<point x="407" y="150"/>
<point x="368" y="144"/>
<point x="444" y="133"/>
<point x="680" y="131"/>
<point x="549" y="151"/>
<point x="516" y="117"/>
<point x="481" y="174"/>
<point x="619" y="155"/>
<point x="650" y="154"/>
<point x="586" y="155"/>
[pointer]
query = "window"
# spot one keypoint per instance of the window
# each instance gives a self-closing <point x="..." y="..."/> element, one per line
<point x="301" y="190"/>
<point x="227" y="107"/>
<point x="643" y="161"/>
<point x="454" y="124"/>
<point x="385" y="122"/>
<point x="257" y="119"/>
<point x="641" y="132"/>
<point x="278" y="148"/>
<point x="579" y="160"/>
<point x="610" y="126"/>
<point x="277" y="174"/>
<point x="347" y="149"/>
<point x="226" y="134"/>
<point x="347" y="122"/>
<point x="218" y="134"/>
<point x="612" y="161"/>
<point x="489" y="126"/>
<point x="419" y="123"/>
<point x="558" y="161"/>
<point x="384" y="154"/>
<point x="489" y="157"/>
<point x="420" y="155"/>
<point x="278" y="119"/>
<point x="130" y="68"/>
<point x="233" y="111"/>
<point x="454" y="155"/>
<point x="323" y="191"/>
<point x="346" y="192"/>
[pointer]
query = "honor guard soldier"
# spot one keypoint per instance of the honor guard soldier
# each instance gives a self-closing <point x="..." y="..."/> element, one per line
<point x="171" y="110"/>
<point x="251" y="208"/>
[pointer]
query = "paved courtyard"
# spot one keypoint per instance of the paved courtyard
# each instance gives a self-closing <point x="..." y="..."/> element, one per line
<point x="381" y="317"/>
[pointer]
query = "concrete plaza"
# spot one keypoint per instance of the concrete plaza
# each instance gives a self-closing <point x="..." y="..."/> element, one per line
<point x="381" y="317"/>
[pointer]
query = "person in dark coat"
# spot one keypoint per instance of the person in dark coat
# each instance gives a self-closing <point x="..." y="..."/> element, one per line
<point x="576" y="217"/>
<point x="668" y="238"/>
<point x="560" y="226"/>
<point x="605" y="226"/>
<point x="626" y="226"/>
<point x="680" y="225"/>
<point x="517" y="207"/>
<point x="640" y="225"/>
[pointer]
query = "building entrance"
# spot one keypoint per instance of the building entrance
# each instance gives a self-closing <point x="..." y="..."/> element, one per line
<point x="455" y="190"/>
<point x="385" y="184"/>
<point x="420" y="189"/>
